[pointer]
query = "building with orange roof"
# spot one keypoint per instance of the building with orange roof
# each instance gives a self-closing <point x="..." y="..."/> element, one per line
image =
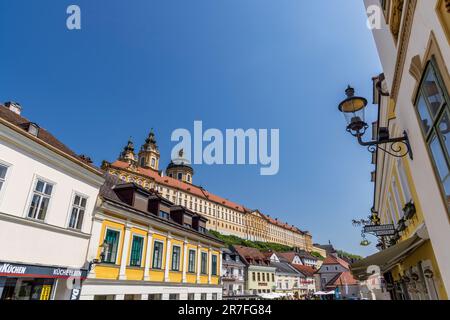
<point x="176" y="185"/>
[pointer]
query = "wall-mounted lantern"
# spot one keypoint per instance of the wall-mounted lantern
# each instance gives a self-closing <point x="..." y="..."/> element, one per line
<point x="353" y="109"/>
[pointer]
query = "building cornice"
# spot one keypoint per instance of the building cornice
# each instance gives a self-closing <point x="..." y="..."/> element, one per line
<point x="42" y="225"/>
<point x="403" y="46"/>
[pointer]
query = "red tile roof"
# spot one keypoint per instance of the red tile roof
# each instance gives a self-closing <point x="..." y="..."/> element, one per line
<point x="342" y="279"/>
<point x="306" y="270"/>
<point x="180" y="185"/>
<point x="43" y="135"/>
<point x="289" y="256"/>
<point x="251" y="255"/>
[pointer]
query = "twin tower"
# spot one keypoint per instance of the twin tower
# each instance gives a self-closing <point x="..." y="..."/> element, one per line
<point x="149" y="156"/>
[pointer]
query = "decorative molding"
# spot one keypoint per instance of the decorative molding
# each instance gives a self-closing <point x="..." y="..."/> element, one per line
<point x="416" y="68"/>
<point x="403" y="46"/>
<point x="41" y="225"/>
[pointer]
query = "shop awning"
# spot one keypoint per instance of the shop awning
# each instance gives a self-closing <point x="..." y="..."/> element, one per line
<point x="387" y="258"/>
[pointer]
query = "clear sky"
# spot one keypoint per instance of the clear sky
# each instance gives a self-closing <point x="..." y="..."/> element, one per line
<point x="140" y="64"/>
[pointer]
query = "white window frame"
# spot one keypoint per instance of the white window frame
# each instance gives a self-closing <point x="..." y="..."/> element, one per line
<point x="6" y="179"/>
<point x="179" y="258"/>
<point x="119" y="244"/>
<point x="137" y="235"/>
<point x="72" y="199"/>
<point x="162" y="255"/>
<point x="35" y="180"/>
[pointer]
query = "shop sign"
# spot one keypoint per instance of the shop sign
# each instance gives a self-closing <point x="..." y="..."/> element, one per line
<point x="22" y="270"/>
<point x="380" y="230"/>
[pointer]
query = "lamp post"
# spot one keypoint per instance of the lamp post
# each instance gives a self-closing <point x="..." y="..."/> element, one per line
<point x="353" y="109"/>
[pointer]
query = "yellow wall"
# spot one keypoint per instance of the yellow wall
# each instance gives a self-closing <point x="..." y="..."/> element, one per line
<point x="106" y="271"/>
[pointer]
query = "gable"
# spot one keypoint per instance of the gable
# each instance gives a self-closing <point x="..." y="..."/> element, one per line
<point x="297" y="260"/>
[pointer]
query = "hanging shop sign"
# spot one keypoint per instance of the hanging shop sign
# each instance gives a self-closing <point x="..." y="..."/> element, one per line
<point x="380" y="230"/>
<point x="22" y="270"/>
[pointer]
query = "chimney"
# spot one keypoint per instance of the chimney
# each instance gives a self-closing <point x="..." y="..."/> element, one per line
<point x="14" y="107"/>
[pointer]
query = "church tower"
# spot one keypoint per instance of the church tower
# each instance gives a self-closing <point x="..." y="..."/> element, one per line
<point x="128" y="155"/>
<point x="149" y="153"/>
<point x="180" y="168"/>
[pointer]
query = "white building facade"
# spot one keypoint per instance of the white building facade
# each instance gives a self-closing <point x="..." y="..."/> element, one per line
<point x="47" y="195"/>
<point x="413" y="44"/>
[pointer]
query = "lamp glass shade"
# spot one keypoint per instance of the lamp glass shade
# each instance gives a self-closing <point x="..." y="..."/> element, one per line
<point x="353" y="109"/>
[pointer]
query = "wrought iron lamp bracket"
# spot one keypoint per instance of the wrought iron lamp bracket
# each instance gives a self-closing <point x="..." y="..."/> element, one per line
<point x="394" y="149"/>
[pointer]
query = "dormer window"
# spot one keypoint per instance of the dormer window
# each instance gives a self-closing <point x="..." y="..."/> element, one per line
<point x="33" y="129"/>
<point x="163" y="215"/>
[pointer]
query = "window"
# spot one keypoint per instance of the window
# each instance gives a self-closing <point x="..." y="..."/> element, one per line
<point x="136" y="251"/>
<point x="263" y="277"/>
<point x="189" y="178"/>
<point x="163" y="215"/>
<point x="397" y="197"/>
<point x="78" y="210"/>
<point x="174" y="296"/>
<point x="392" y="210"/>
<point x="203" y="296"/>
<point x="273" y="277"/>
<point x="157" y="255"/>
<point x="191" y="296"/>
<point x="214" y="265"/>
<point x="112" y="243"/>
<point x="176" y="258"/>
<point x="153" y="162"/>
<point x="156" y="296"/>
<point x="433" y="110"/>
<point x="253" y="276"/>
<point x="180" y="176"/>
<point x="404" y="181"/>
<point x="3" y="170"/>
<point x="41" y="198"/>
<point x="214" y="296"/>
<point x="204" y="262"/>
<point x="191" y="263"/>
<point x="259" y="277"/>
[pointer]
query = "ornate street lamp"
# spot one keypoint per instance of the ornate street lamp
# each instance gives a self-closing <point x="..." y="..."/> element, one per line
<point x="353" y="109"/>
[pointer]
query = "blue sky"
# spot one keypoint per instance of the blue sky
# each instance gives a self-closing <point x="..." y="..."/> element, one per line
<point x="140" y="64"/>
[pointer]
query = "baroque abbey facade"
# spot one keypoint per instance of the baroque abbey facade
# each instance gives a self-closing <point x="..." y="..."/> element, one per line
<point x="176" y="185"/>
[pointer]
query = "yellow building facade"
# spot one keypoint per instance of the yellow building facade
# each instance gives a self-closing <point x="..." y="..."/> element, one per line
<point x="137" y="252"/>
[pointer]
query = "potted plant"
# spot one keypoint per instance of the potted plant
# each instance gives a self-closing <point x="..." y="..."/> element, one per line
<point x="401" y="225"/>
<point x="409" y="210"/>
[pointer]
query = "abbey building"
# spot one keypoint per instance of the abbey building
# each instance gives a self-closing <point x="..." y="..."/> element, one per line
<point x="176" y="184"/>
